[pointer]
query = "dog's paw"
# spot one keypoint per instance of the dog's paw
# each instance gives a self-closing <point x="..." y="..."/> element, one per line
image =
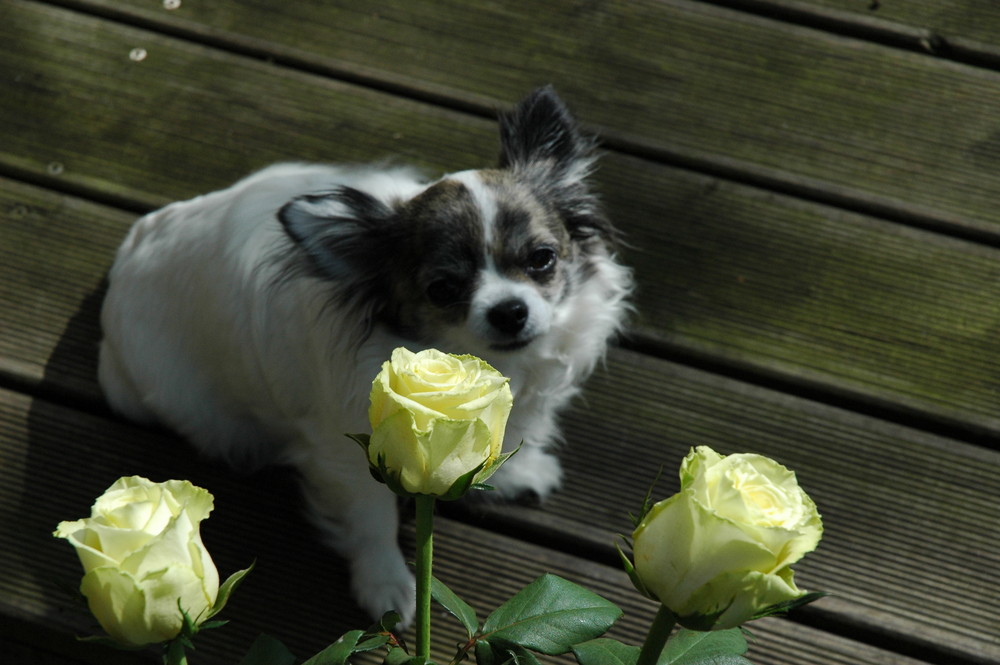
<point x="382" y="583"/>
<point x="531" y="475"/>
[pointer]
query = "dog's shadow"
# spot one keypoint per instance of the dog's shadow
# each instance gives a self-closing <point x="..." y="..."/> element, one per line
<point x="72" y="449"/>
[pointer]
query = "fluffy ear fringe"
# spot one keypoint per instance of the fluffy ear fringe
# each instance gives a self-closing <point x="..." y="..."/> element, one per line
<point x="345" y="235"/>
<point x="339" y="230"/>
<point x="541" y="131"/>
<point x="542" y="140"/>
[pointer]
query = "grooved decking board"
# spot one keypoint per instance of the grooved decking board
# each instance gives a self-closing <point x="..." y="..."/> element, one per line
<point x="761" y="281"/>
<point x="970" y="25"/>
<point x="828" y="114"/>
<point x="897" y="502"/>
<point x="911" y="519"/>
<point x="56" y="461"/>
<point x="883" y="313"/>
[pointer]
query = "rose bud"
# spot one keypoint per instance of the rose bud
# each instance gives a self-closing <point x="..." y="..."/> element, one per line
<point x="718" y="553"/>
<point x="437" y="422"/>
<point x="144" y="560"/>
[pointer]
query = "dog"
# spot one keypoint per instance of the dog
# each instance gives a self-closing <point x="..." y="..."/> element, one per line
<point x="252" y="320"/>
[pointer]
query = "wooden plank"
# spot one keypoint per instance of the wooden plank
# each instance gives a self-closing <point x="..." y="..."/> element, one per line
<point x="87" y="111"/>
<point x="966" y="29"/>
<point x="56" y="461"/>
<point x="651" y="412"/>
<point x="909" y="518"/>
<point x="763" y="283"/>
<point x="830" y="117"/>
<point x="874" y="311"/>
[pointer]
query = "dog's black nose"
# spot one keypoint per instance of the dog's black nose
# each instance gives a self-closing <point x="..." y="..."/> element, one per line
<point x="509" y="316"/>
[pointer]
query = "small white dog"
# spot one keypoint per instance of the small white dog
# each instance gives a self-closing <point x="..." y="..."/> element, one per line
<point x="252" y="320"/>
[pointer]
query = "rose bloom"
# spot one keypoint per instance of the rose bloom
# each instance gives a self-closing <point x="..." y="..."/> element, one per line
<point x="436" y="418"/>
<point x="718" y="553"/>
<point x="142" y="552"/>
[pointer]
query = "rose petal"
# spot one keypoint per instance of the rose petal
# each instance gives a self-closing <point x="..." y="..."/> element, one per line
<point x="119" y="605"/>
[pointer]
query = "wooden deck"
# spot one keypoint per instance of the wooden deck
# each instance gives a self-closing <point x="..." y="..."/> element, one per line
<point x="810" y="189"/>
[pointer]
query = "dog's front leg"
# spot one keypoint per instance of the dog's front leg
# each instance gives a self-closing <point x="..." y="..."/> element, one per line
<point x="358" y="517"/>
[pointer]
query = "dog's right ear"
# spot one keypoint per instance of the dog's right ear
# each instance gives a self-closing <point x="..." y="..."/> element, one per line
<point x="540" y="129"/>
<point x="343" y="232"/>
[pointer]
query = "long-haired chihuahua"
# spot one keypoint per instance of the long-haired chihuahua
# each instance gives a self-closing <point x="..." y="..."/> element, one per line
<point x="252" y="320"/>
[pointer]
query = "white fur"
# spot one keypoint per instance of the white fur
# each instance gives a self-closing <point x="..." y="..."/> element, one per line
<point x="203" y="334"/>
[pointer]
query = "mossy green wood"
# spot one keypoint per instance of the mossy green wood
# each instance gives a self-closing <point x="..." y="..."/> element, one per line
<point x="972" y="25"/>
<point x="830" y="115"/>
<point x="766" y="283"/>
<point x="84" y="107"/>
<point x="885" y="314"/>
<point x="58" y="459"/>
<point x="899" y="504"/>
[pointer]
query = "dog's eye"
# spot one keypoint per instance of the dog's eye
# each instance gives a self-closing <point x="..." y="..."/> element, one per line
<point x="541" y="261"/>
<point x="444" y="292"/>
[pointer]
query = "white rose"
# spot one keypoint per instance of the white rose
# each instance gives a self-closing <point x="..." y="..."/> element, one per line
<point x="435" y="419"/>
<point x="143" y="558"/>
<point x="718" y="552"/>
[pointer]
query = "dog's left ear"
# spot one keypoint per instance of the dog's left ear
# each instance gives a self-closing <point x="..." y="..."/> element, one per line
<point x="540" y="138"/>
<point x="346" y="235"/>
<point x="341" y="231"/>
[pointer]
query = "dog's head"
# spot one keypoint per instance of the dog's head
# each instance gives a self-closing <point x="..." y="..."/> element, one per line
<point x="483" y="258"/>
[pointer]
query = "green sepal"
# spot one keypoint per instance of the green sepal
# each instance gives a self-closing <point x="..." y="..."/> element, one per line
<point x="209" y="625"/>
<point x="226" y="590"/>
<point x="647" y="502"/>
<point x="363" y="440"/>
<point x="633" y="575"/>
<point x="497" y="463"/>
<point x="701" y="622"/>
<point x="106" y="641"/>
<point x="461" y="486"/>
<point x="475" y="479"/>
<point x="789" y="605"/>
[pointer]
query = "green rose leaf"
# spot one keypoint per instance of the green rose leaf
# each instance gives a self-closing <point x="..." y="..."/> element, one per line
<point x="458" y="607"/>
<point x="691" y="647"/>
<point x="604" y="651"/>
<point x="550" y="615"/>
<point x="267" y="650"/>
<point x="399" y="656"/>
<point x="338" y="652"/>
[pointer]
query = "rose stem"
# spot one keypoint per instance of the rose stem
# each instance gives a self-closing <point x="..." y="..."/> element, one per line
<point x="425" y="554"/>
<point x="657" y="637"/>
<point x="175" y="653"/>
